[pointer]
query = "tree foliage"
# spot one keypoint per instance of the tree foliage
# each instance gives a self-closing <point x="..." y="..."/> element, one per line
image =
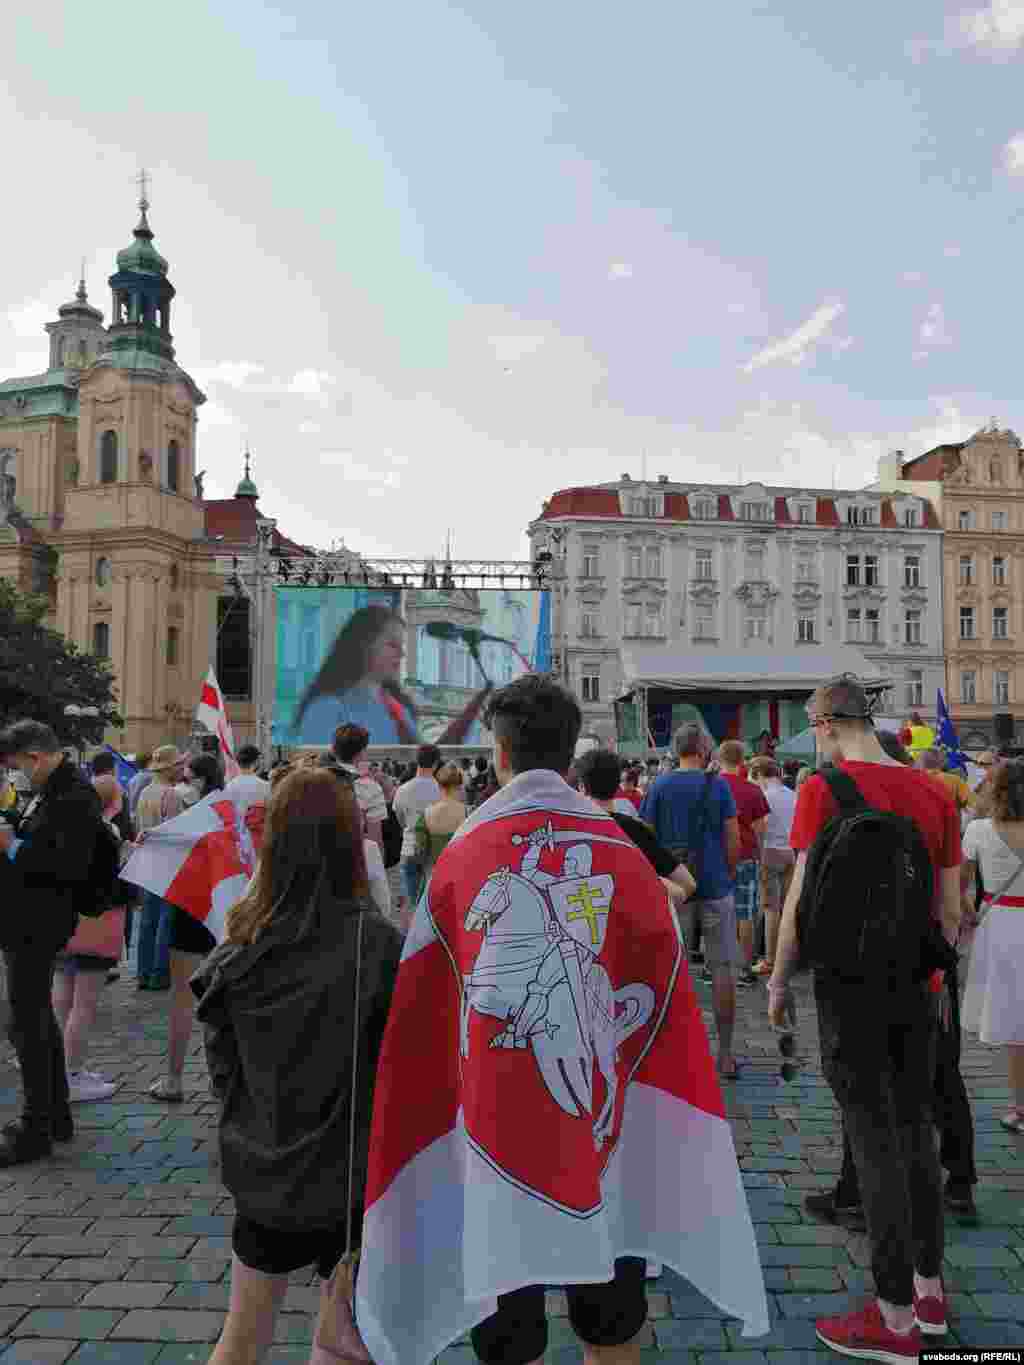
<point x="41" y="673"/>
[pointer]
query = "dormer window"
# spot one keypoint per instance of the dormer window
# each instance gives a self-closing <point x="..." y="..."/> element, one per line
<point x="755" y="511"/>
<point x="911" y="517"/>
<point x="703" y="509"/>
<point x="648" y="505"/>
<point x="803" y="513"/>
<point x="860" y="516"/>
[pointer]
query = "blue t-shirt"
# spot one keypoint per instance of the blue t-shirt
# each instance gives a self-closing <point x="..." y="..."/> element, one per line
<point x="672" y="808"/>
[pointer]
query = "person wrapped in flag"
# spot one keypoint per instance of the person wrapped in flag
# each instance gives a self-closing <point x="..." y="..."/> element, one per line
<point x="546" y="1108"/>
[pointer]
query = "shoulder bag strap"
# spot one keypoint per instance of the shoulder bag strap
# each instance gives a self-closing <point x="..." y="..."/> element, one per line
<point x="994" y="896"/>
<point x="846" y="792"/>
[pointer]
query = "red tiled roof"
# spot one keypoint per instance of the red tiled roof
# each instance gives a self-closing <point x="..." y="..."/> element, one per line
<point x="583" y="502"/>
<point x="677" y="507"/>
<point x="235" y="519"/>
<point x="782" y="512"/>
<point x="888" y="515"/>
<point x="934" y="464"/>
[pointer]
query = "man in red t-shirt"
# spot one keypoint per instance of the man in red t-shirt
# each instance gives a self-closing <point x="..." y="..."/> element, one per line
<point x="878" y="1045"/>
<point x="752" y="811"/>
<point x="630" y="789"/>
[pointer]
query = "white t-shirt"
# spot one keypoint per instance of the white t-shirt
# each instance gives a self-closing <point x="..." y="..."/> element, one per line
<point x="377" y="876"/>
<point x="248" y="790"/>
<point x="984" y="846"/>
<point x="369" y="795"/>
<point x="781" y="808"/>
<point x="411" y="800"/>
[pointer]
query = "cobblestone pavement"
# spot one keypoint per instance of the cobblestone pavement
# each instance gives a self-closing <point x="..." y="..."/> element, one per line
<point x="116" y="1251"/>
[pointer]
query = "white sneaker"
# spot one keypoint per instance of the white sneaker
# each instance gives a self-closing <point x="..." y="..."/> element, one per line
<point x="654" y="1269"/>
<point x="82" y="1087"/>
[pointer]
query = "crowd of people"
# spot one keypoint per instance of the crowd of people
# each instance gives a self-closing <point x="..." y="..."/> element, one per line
<point x="757" y="859"/>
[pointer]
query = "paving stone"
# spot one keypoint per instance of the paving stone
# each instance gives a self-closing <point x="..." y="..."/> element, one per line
<point x="982" y="1332"/>
<point x="817" y="1278"/>
<point x="116" y="1353"/>
<point x="199" y="1296"/>
<point x="42" y="1293"/>
<point x="126" y="1294"/>
<point x="691" y="1334"/>
<point x="1000" y="1305"/>
<point x="191" y="1272"/>
<point x="99" y="1268"/>
<point x="78" y="1324"/>
<point x="982" y="1256"/>
<point x="162" y="1324"/>
<point x="816" y="1305"/>
<point x="151" y="1248"/>
<point x="38" y="1352"/>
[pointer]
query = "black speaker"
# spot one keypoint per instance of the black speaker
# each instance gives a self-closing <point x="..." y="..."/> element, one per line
<point x="1004" y="726"/>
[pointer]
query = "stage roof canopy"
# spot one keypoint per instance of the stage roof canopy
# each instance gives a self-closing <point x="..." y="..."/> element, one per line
<point x="778" y="673"/>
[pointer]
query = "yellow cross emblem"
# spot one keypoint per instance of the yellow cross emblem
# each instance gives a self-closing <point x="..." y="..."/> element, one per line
<point x="589" y="909"/>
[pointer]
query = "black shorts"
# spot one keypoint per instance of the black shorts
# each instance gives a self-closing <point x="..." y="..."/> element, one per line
<point x="601" y="1315"/>
<point x="279" y="1253"/>
<point x="189" y="936"/>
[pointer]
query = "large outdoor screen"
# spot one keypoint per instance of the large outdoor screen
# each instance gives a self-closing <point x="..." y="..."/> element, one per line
<point x="410" y="665"/>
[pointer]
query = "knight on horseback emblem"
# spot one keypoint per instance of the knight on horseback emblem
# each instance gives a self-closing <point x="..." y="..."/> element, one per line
<point x="538" y="971"/>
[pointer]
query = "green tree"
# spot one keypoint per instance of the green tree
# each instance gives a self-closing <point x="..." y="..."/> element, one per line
<point x="41" y="673"/>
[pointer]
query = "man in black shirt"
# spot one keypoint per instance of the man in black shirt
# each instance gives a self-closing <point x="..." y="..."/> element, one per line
<point x="598" y="772"/>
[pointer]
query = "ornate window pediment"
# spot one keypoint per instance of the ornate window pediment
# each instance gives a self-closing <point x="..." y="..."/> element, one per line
<point x="757" y="594"/>
<point x="703" y="591"/>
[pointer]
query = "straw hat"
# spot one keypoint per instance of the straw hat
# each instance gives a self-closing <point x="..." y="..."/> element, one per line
<point x="165" y="759"/>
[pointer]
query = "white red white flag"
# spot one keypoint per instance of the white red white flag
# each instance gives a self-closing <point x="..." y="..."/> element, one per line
<point x="202" y="860"/>
<point x="545" y="1096"/>
<point x="212" y="713"/>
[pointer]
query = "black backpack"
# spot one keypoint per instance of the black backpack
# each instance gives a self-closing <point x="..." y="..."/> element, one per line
<point x="866" y="910"/>
<point x="391" y="836"/>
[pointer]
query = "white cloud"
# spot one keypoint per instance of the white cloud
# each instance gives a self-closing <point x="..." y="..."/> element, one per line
<point x="309" y="428"/>
<point x="233" y="374"/>
<point x="933" y="331"/>
<point x="310" y="384"/>
<point x="998" y="29"/>
<point x="794" y="347"/>
<point x="620" y="270"/>
<point x="952" y="251"/>
<point x="1013" y="155"/>
<point x="913" y="277"/>
<point x="512" y="349"/>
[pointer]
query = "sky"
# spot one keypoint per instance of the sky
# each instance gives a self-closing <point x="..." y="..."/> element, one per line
<point x="434" y="261"/>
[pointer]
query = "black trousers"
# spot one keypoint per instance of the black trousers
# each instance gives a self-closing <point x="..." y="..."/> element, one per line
<point x="35" y="1034"/>
<point x="952" y="1111"/>
<point x="601" y="1315"/>
<point x="878" y="1056"/>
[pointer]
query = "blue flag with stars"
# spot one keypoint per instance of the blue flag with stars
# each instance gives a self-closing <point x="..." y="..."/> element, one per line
<point x="125" y="770"/>
<point x="947" y="737"/>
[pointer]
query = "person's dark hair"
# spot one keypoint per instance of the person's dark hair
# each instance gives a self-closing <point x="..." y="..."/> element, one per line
<point x="428" y="756"/>
<point x="689" y="740"/>
<point x="28" y="737"/>
<point x="537" y="720"/>
<point x="102" y="763"/>
<point x="349" y="742"/>
<point x="348" y="660"/>
<point x="598" y="773"/>
<point x="1007" y="800"/>
<point x="892" y="746"/>
<point x="209" y="771"/>
<point x="842" y="698"/>
<point x="480" y="763"/>
<point x="730" y="753"/>
<point x="762" y="768"/>
<point x="248" y="756"/>
<point x="312" y="845"/>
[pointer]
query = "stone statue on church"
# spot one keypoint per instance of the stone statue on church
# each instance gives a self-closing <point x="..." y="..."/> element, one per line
<point x="8" y="484"/>
<point x="197" y="479"/>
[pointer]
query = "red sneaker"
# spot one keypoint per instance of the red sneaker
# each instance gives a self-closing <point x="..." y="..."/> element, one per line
<point x="866" y="1336"/>
<point x="930" y="1314"/>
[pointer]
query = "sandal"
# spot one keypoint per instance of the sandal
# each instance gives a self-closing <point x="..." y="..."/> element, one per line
<point x="167" y="1090"/>
<point x="1014" y="1120"/>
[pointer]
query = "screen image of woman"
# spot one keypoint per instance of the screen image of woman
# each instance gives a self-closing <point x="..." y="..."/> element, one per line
<point x="358" y="683"/>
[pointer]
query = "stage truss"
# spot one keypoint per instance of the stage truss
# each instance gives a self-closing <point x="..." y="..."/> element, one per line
<point x="341" y="569"/>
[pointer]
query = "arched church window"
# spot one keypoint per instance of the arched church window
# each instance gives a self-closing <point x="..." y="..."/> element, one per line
<point x="175" y="578"/>
<point x="174" y="467"/>
<point x="83" y="352"/>
<point x="102" y="573"/>
<point x="995" y="472"/>
<point x="108" y="457"/>
<point x="59" y="357"/>
<point x="101" y="640"/>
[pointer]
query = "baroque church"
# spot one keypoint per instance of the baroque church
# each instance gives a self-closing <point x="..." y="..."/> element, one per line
<point x="102" y="508"/>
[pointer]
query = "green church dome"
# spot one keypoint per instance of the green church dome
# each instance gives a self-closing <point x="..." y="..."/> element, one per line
<point x="142" y="255"/>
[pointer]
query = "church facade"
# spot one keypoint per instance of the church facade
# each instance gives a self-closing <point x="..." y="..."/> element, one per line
<point x="101" y="506"/>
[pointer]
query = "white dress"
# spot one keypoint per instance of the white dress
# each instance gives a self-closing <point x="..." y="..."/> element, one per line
<point x="993" y="1005"/>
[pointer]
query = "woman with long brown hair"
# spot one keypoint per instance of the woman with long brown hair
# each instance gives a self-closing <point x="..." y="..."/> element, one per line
<point x="294" y="1004"/>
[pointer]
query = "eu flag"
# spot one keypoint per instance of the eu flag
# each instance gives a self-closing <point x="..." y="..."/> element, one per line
<point x="125" y="770"/>
<point x="947" y="736"/>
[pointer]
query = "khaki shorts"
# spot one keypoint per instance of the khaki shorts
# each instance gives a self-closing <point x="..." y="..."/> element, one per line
<point x="775" y="881"/>
<point x="717" y="921"/>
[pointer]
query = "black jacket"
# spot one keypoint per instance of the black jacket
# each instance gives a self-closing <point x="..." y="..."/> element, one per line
<point x="278" y="1018"/>
<point x="42" y="890"/>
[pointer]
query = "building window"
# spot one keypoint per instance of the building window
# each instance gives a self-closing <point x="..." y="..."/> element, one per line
<point x="103" y="573"/>
<point x="805" y="630"/>
<point x="915" y="688"/>
<point x="853" y="571"/>
<point x="757" y="623"/>
<point x="755" y="564"/>
<point x="966" y="623"/>
<point x="803" y="570"/>
<point x="588" y="625"/>
<point x="703" y="563"/>
<point x="108" y="457"/>
<point x="871" y="571"/>
<point x="966" y="571"/>
<point x="175" y="578"/>
<point x="853" y="624"/>
<point x="872" y="626"/>
<point x="173" y="467"/>
<point x="998" y="521"/>
<point x="654" y="562"/>
<point x="912" y="571"/>
<point x="999" y="571"/>
<point x="1000" y="623"/>
<point x="913" y="627"/>
<point x="1001" y="688"/>
<point x="635" y="565"/>
<point x="968" y="687"/>
<point x="995" y="472"/>
<point x="703" y="621"/>
<point x="172" y="646"/>
<point x="634" y="621"/>
<point x="860" y="516"/>
<point x="910" y="517"/>
<point x="101" y="640"/>
<point x="652" y="620"/>
<point x="590" y="563"/>
<point x="702" y="509"/>
<point x="803" y="514"/>
<point x="234" y="647"/>
<point x="643" y="507"/>
<point x="965" y="520"/>
<point x="755" y="511"/>
<point x="591" y="687"/>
